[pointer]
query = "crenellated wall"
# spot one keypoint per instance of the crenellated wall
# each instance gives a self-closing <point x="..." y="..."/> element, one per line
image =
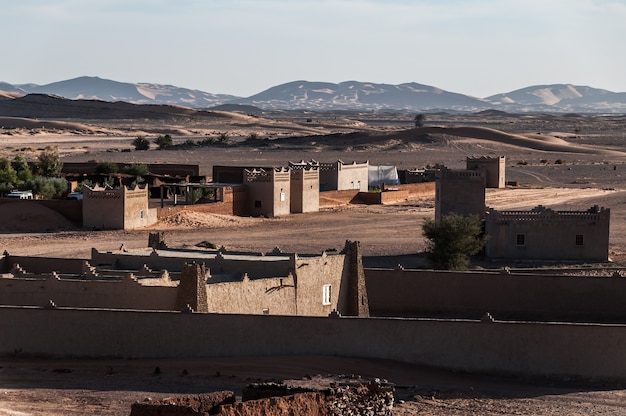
<point x="546" y="234"/>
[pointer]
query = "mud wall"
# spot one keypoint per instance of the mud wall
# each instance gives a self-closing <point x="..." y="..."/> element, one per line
<point x="70" y="209"/>
<point x="114" y="294"/>
<point x="275" y="296"/>
<point x="537" y="349"/>
<point x="504" y="296"/>
<point x="43" y="265"/>
<point x="266" y="266"/>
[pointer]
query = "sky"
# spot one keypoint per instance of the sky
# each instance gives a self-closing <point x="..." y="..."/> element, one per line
<point x="242" y="47"/>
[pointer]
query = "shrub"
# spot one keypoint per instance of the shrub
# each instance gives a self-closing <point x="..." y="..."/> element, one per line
<point x="141" y="143"/>
<point x="137" y="169"/>
<point x="223" y="138"/>
<point x="106" y="168"/>
<point x="164" y="141"/>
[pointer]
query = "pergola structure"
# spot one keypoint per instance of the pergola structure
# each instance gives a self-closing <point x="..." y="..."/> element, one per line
<point x="186" y="189"/>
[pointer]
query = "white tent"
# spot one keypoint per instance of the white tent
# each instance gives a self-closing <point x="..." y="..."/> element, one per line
<point x="377" y="175"/>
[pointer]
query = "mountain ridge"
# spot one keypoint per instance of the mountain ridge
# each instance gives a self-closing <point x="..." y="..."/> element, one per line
<point x="347" y="95"/>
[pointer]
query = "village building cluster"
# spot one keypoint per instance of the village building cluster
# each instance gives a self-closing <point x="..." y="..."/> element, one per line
<point x="223" y="303"/>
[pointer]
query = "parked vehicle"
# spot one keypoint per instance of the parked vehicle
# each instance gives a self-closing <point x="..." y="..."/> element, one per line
<point x="75" y="195"/>
<point x="20" y="194"/>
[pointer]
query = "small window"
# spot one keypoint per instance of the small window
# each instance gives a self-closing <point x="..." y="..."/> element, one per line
<point x="359" y="185"/>
<point x="326" y="295"/>
<point x="352" y="185"/>
<point x="520" y="239"/>
<point x="580" y="239"/>
<point x="257" y="204"/>
<point x="142" y="214"/>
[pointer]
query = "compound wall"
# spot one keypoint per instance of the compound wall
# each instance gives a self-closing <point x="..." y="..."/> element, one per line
<point x="532" y="349"/>
<point x="504" y="296"/>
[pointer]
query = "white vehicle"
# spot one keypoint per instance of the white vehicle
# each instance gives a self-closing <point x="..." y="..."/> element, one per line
<point x="20" y="194"/>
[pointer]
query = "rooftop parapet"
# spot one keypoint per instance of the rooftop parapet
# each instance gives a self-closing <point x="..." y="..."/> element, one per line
<point x="543" y="214"/>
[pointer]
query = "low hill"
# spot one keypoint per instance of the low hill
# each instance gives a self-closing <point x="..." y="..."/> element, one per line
<point x="49" y="106"/>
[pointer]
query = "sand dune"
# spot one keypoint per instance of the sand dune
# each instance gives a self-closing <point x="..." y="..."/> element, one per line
<point x="534" y="141"/>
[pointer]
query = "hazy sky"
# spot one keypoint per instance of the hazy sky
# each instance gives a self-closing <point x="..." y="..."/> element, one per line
<point x="242" y="47"/>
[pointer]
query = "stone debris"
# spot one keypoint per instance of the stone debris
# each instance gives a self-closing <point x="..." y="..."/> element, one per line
<point x="350" y="397"/>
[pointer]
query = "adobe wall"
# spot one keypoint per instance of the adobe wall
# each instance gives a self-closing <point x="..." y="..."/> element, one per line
<point x="270" y="296"/>
<point x="460" y="192"/>
<point x="41" y="265"/>
<point x="268" y="266"/>
<point x="125" y="293"/>
<point x="493" y="168"/>
<point x="305" y="190"/>
<point x="548" y="234"/>
<point x="70" y="209"/>
<point x="425" y="189"/>
<point x="525" y="349"/>
<point x="136" y="211"/>
<point x="386" y="197"/>
<point x="315" y="272"/>
<point x="504" y="296"/>
<point x="103" y="209"/>
<point x="268" y="192"/>
<point x="337" y="198"/>
<point x="353" y="176"/>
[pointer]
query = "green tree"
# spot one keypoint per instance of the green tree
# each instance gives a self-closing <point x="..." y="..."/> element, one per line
<point x="8" y="175"/>
<point x="137" y="169"/>
<point x="49" y="162"/>
<point x="48" y="187"/>
<point x="21" y="167"/>
<point x="452" y="241"/>
<point x="141" y="143"/>
<point x="164" y="141"/>
<point x="106" y="168"/>
<point x="419" y="120"/>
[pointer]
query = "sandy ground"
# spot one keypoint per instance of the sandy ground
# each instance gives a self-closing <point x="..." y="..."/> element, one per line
<point x="109" y="387"/>
<point x="389" y="235"/>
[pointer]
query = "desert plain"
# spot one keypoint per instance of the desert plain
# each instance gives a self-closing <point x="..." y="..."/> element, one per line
<point x="565" y="161"/>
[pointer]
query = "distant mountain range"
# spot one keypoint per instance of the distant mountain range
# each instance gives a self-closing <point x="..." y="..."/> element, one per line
<point x="349" y="95"/>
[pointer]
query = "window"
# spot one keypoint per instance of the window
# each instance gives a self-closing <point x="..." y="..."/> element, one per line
<point x="520" y="239"/>
<point x="257" y="204"/>
<point x="141" y="214"/>
<point x="326" y="295"/>
<point x="580" y="239"/>
<point x="359" y="185"/>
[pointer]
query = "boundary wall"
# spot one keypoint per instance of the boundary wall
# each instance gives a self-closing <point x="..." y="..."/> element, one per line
<point x="354" y="196"/>
<point x="523" y="349"/>
<point x="70" y="209"/>
<point x="505" y="296"/>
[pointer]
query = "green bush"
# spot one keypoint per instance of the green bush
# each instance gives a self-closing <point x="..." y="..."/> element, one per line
<point x="106" y="168"/>
<point x="141" y="143"/>
<point x="164" y="141"/>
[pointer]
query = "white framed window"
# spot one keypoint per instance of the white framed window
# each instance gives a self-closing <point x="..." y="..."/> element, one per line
<point x="326" y="294"/>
